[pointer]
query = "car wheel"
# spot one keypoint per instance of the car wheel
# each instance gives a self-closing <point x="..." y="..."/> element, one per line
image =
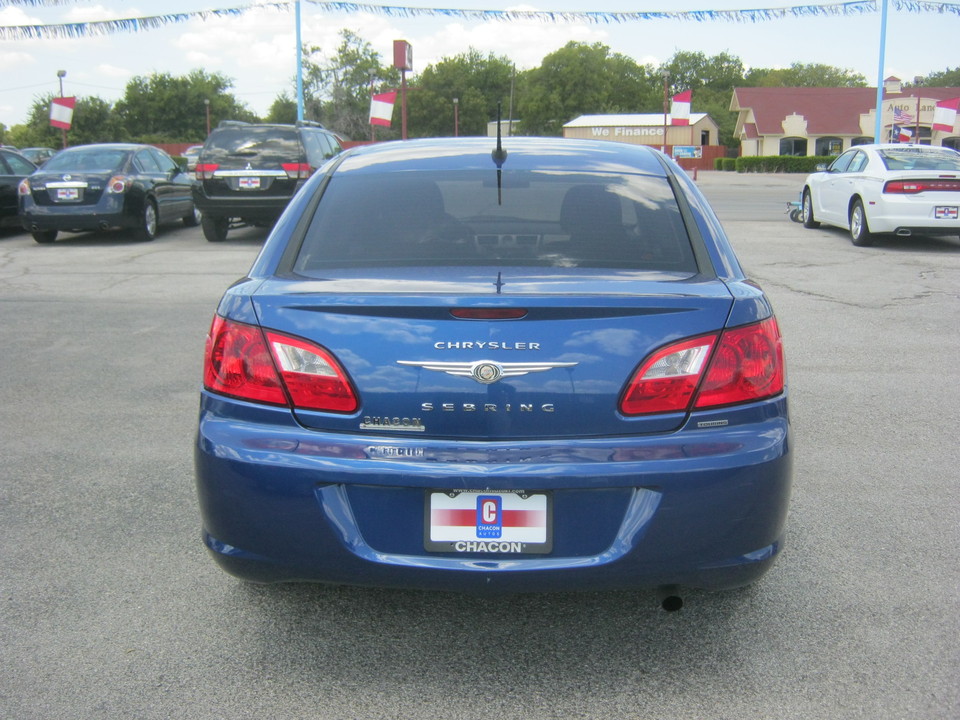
<point x="215" y="228"/>
<point x="193" y="218"/>
<point x="45" y="236"/>
<point x="859" y="230"/>
<point x="147" y="229"/>
<point x="808" y="221"/>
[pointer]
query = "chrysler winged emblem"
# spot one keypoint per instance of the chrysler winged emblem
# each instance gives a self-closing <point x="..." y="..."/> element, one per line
<point x="487" y="372"/>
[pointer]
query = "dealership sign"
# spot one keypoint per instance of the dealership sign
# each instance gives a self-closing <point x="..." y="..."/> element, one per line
<point x="626" y="131"/>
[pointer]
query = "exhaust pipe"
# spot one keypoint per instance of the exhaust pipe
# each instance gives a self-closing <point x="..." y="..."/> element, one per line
<point x="104" y="226"/>
<point x="903" y="232"/>
<point x="669" y="598"/>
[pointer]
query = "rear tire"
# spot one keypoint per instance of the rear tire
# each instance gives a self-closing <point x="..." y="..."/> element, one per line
<point x="859" y="229"/>
<point x="45" y="236"/>
<point x="193" y="219"/>
<point x="147" y="230"/>
<point x="807" y="211"/>
<point x="215" y="228"/>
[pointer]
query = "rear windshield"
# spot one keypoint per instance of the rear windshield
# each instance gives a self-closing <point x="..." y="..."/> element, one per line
<point x="524" y="218"/>
<point x="86" y="160"/>
<point x="263" y="144"/>
<point x="920" y="159"/>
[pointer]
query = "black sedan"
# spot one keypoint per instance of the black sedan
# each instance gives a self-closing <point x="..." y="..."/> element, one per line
<point x="13" y="169"/>
<point x="100" y="187"/>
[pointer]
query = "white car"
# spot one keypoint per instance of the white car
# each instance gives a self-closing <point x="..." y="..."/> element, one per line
<point x="893" y="189"/>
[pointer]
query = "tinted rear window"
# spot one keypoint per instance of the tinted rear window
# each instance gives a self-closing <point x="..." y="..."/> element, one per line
<point x="920" y="159"/>
<point x="534" y="218"/>
<point x="260" y="144"/>
<point x="87" y="160"/>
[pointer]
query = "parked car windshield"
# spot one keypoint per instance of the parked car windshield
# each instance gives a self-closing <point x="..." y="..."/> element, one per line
<point x="527" y="218"/>
<point x="84" y="160"/>
<point x="914" y="158"/>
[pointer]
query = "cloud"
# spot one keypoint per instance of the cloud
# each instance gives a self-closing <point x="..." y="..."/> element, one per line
<point x="112" y="71"/>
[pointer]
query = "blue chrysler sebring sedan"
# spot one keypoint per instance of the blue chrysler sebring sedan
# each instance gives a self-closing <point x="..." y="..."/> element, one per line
<point x="469" y="366"/>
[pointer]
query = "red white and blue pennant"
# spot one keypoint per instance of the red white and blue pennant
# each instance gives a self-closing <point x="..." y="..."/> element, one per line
<point x="153" y="22"/>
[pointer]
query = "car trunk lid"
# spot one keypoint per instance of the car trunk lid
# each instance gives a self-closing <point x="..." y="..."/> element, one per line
<point x="493" y="354"/>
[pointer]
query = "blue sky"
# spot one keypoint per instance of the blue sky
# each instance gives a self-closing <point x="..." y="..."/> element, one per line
<point x="257" y="48"/>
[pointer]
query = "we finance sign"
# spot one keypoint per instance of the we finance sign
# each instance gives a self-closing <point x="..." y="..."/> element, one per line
<point x="627" y="131"/>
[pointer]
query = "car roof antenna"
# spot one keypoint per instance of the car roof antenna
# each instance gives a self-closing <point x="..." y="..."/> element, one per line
<point x="499" y="156"/>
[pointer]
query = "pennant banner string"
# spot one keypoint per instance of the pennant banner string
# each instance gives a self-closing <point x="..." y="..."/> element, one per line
<point x="139" y="24"/>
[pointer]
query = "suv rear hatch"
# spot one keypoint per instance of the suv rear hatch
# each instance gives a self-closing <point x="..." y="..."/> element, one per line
<point x="252" y="160"/>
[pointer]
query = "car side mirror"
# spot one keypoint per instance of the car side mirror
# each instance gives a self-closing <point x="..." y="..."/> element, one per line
<point x="822" y="167"/>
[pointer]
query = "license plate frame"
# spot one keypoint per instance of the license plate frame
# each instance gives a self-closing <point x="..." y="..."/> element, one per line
<point x="248" y="183"/>
<point x="499" y="522"/>
<point x="946" y="212"/>
<point x="68" y="194"/>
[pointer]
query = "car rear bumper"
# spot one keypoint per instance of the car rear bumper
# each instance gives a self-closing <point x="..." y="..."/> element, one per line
<point x="908" y="216"/>
<point x="109" y="213"/>
<point x="249" y="207"/>
<point x="699" y="508"/>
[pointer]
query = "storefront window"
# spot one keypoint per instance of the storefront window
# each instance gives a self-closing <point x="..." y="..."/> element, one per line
<point x="795" y="146"/>
<point x="951" y="142"/>
<point x="863" y="140"/>
<point x="829" y="146"/>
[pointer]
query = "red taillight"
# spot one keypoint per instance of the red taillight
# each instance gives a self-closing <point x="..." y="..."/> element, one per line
<point x="488" y="313"/>
<point x="297" y="171"/>
<point x="912" y="187"/>
<point x="119" y="184"/>
<point x="741" y="365"/>
<point x="747" y="365"/>
<point x="205" y="171"/>
<point x="238" y="363"/>
<point x="668" y="379"/>
<point x="313" y="378"/>
<point x="241" y="363"/>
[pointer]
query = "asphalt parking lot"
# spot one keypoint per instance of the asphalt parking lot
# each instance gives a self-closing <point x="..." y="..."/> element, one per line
<point x="112" y="609"/>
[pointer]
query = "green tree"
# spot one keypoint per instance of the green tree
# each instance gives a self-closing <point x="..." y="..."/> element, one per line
<point x="582" y="79"/>
<point x="804" y="75"/>
<point x="694" y="70"/>
<point x="711" y="80"/>
<point x="337" y="89"/>
<point x="943" y="78"/>
<point x="164" y="108"/>
<point x="283" y="110"/>
<point x="477" y="82"/>
<point x="93" y="121"/>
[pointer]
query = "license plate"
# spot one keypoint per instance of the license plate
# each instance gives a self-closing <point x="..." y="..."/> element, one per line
<point x="946" y="212"/>
<point x="68" y="194"/>
<point x="500" y="522"/>
<point x="247" y="183"/>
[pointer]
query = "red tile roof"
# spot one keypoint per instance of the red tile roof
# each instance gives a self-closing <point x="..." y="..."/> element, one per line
<point x="827" y="110"/>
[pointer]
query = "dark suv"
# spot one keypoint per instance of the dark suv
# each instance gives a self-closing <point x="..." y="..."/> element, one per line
<point x="247" y="173"/>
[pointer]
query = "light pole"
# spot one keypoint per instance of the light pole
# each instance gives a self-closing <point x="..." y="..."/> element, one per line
<point x="666" y="107"/>
<point x="373" y="128"/>
<point x="206" y="105"/>
<point x="456" y="117"/>
<point x="918" y="81"/>
<point x="61" y="74"/>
